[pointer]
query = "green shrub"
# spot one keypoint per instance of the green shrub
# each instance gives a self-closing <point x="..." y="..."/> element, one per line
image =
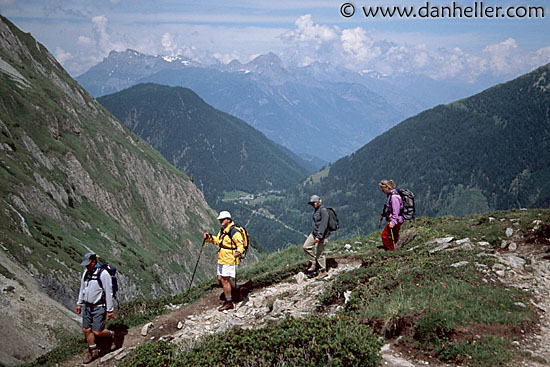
<point x="481" y="351"/>
<point x="313" y="341"/>
<point x="434" y="326"/>
<point x="151" y="354"/>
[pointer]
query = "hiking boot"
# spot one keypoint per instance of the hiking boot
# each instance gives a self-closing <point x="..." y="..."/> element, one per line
<point x="312" y="268"/>
<point x="226" y="306"/>
<point x="93" y="354"/>
<point x="118" y="339"/>
<point x="243" y="292"/>
<point x="323" y="273"/>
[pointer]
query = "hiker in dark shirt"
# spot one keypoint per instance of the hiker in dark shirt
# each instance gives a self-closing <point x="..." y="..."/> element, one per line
<point x="95" y="303"/>
<point x="393" y="212"/>
<point x="317" y="240"/>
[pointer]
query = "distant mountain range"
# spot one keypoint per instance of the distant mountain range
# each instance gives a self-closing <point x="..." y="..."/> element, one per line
<point x="228" y="160"/>
<point x="75" y="180"/>
<point x="315" y="111"/>
<point x="221" y="152"/>
<point x="486" y="152"/>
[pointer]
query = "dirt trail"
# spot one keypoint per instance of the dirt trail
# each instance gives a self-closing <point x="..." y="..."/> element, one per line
<point x="299" y="297"/>
<point x="165" y="324"/>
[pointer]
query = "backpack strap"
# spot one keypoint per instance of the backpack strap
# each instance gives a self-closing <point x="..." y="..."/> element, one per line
<point x="102" y="268"/>
<point x="232" y="232"/>
<point x="96" y="275"/>
<point x="388" y="209"/>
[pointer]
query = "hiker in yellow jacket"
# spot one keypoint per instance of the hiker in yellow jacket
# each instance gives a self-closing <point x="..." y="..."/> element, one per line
<point x="231" y="245"/>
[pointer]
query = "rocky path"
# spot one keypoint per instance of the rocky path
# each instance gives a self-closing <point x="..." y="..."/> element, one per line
<point x="188" y="324"/>
<point x="523" y="266"/>
<point x="532" y="274"/>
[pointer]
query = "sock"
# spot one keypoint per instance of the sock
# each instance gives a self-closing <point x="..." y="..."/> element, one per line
<point x="92" y="347"/>
<point x="229" y="299"/>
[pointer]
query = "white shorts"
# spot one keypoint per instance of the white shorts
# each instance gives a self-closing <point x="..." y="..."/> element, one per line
<point x="227" y="270"/>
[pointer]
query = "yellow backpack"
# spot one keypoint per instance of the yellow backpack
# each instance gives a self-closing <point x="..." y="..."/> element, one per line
<point x="246" y="239"/>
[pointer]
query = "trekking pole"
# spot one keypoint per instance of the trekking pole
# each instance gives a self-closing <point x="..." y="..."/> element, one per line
<point x="392" y="239"/>
<point x="236" y="286"/>
<point x="193" y="277"/>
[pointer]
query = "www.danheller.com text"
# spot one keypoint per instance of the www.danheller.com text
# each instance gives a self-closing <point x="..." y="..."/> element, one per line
<point x="477" y="9"/>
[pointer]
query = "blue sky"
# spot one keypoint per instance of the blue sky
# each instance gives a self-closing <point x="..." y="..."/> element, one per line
<point x="81" y="33"/>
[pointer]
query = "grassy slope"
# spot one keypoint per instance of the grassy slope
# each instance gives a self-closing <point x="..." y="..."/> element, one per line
<point x="453" y="314"/>
<point x="32" y="112"/>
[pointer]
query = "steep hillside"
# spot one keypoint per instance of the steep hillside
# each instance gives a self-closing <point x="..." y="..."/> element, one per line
<point x="221" y="153"/>
<point x="489" y="151"/>
<point x="75" y="180"/>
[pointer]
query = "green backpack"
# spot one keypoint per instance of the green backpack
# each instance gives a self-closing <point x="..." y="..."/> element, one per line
<point x="333" y="224"/>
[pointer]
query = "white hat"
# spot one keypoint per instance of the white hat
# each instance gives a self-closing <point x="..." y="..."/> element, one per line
<point x="224" y="214"/>
<point x="314" y="199"/>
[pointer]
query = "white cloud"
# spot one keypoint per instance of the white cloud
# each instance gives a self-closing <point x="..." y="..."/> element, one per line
<point x="503" y="57"/>
<point x="61" y="55"/>
<point x="306" y="31"/>
<point x="84" y="41"/>
<point x="168" y="44"/>
<point x="358" y="49"/>
<point x="226" y="58"/>
<point x="542" y="56"/>
<point x="358" y="44"/>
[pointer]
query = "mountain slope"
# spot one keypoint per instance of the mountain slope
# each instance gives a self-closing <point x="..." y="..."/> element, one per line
<point x="489" y="151"/>
<point x="327" y="120"/>
<point x="75" y="180"/>
<point x="288" y="106"/>
<point x="220" y="152"/>
<point x="120" y="70"/>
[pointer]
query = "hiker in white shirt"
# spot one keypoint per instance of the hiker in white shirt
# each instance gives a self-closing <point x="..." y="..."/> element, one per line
<point x="95" y="303"/>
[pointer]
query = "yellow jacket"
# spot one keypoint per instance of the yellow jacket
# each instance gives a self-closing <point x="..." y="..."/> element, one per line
<point x="227" y="245"/>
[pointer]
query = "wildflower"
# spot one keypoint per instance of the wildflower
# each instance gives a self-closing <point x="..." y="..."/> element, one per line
<point x="478" y="336"/>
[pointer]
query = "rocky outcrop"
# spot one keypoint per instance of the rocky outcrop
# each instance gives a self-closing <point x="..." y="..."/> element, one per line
<point x="75" y="180"/>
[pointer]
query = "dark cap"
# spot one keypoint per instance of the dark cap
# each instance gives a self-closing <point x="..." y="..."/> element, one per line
<point x="88" y="258"/>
